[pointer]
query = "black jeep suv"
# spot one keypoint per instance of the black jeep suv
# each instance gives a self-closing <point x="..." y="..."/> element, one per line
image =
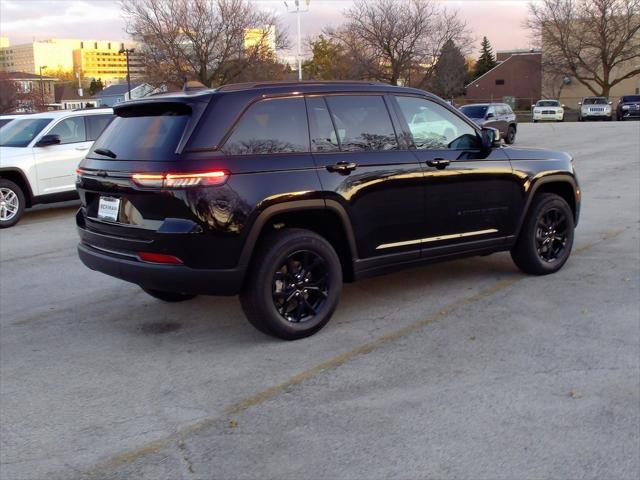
<point x="280" y="192"/>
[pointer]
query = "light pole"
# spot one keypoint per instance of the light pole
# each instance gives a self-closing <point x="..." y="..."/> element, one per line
<point x="298" y="11"/>
<point x="127" y="51"/>
<point x="42" y="85"/>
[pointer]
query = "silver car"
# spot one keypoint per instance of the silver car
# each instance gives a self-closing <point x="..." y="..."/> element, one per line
<point x="598" y="108"/>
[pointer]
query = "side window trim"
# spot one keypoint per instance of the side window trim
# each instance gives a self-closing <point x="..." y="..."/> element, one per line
<point x="65" y="119"/>
<point x="322" y="98"/>
<point x="362" y="94"/>
<point x="234" y="126"/>
<point x="405" y="125"/>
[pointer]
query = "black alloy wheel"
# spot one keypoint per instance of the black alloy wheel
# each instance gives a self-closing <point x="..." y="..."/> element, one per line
<point x="293" y="284"/>
<point x="301" y="286"/>
<point x="551" y="235"/>
<point x="546" y="238"/>
<point x="511" y="135"/>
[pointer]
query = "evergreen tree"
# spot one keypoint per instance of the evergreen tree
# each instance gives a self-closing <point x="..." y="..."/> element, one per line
<point x="450" y="72"/>
<point x="486" y="61"/>
<point x="95" y="86"/>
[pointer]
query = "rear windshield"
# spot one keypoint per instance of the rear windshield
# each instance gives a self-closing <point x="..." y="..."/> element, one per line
<point x="548" y="103"/>
<point x="595" y="101"/>
<point x="474" y="111"/>
<point x="631" y="98"/>
<point x="142" y="137"/>
<point x="19" y="133"/>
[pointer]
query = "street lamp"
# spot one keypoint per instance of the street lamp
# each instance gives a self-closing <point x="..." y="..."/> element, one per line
<point x="297" y="11"/>
<point x="127" y="51"/>
<point x="42" y="85"/>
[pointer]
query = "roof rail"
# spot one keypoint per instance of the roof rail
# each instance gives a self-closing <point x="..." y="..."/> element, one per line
<point x="88" y="108"/>
<point x="232" y="87"/>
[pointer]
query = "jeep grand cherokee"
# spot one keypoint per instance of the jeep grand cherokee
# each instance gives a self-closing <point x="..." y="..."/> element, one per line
<point x="280" y="192"/>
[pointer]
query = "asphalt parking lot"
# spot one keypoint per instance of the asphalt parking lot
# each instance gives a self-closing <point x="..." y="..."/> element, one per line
<point x="466" y="370"/>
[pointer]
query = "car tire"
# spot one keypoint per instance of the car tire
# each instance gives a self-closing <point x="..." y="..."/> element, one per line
<point x="546" y="237"/>
<point x="12" y="203"/>
<point x="511" y="135"/>
<point x="293" y="285"/>
<point x="171" y="297"/>
<point x="535" y="121"/>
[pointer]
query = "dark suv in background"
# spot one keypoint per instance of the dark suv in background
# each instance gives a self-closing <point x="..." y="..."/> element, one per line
<point x="628" y="107"/>
<point x="494" y="115"/>
<point x="280" y="192"/>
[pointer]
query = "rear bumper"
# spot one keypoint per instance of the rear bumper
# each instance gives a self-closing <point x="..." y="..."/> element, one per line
<point x="169" y="278"/>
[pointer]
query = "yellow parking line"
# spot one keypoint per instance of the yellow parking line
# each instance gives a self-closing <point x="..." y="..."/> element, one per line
<point x="273" y="391"/>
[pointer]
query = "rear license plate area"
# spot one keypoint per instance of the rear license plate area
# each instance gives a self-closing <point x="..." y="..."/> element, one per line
<point x="108" y="208"/>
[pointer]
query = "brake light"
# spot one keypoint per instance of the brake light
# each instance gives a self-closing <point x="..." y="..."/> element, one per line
<point x="180" y="180"/>
<point x="159" y="258"/>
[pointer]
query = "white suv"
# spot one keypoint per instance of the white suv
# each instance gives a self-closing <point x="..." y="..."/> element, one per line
<point x="39" y="155"/>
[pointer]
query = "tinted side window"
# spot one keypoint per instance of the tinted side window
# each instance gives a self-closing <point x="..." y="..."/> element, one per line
<point x="70" y="130"/>
<point x="277" y="125"/>
<point x="433" y="127"/>
<point x="96" y="124"/>
<point x="362" y="122"/>
<point x="323" y="134"/>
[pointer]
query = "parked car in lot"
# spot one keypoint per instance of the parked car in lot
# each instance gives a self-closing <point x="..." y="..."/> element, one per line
<point x="280" y="192"/>
<point x="39" y="155"/>
<point x="547" y="110"/>
<point x="494" y="115"/>
<point x="594" y="108"/>
<point x="628" y="107"/>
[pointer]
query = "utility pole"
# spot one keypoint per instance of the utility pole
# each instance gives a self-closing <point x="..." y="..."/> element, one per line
<point x="127" y="51"/>
<point x="298" y="11"/>
<point x="42" y="85"/>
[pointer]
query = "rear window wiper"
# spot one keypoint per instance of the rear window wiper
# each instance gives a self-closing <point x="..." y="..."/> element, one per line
<point x="106" y="152"/>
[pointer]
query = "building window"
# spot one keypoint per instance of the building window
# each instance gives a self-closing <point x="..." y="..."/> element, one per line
<point x="499" y="81"/>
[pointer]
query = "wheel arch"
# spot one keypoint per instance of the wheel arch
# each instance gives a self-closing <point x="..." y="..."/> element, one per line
<point x="563" y="185"/>
<point x="18" y="177"/>
<point x="324" y="217"/>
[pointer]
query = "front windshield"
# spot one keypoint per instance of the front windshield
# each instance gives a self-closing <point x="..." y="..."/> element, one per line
<point x="595" y="101"/>
<point x="19" y="133"/>
<point x="631" y="98"/>
<point x="474" y="111"/>
<point x="548" y="103"/>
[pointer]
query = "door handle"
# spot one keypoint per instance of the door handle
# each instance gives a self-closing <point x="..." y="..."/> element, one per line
<point x="344" y="168"/>
<point x="82" y="148"/>
<point x="439" y="163"/>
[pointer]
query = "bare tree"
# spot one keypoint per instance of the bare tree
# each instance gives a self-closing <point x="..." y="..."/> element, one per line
<point x="394" y="40"/>
<point x="199" y="39"/>
<point x="597" y="42"/>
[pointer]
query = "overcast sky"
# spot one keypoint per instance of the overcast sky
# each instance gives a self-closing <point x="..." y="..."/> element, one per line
<point x="25" y="20"/>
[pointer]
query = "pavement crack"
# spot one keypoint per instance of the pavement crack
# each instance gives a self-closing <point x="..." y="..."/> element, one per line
<point x="184" y="455"/>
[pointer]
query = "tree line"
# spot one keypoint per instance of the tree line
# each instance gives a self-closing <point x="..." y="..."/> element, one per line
<point x="420" y="43"/>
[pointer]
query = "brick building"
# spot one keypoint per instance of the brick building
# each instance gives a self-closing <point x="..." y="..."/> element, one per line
<point x="518" y="75"/>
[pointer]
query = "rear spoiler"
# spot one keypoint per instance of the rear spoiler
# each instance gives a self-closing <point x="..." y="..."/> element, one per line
<point x="150" y="108"/>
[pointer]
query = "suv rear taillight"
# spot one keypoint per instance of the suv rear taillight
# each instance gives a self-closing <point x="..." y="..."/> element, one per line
<point x="179" y="180"/>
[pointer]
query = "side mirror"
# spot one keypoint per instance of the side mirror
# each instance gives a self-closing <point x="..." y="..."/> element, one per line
<point x="533" y="106"/>
<point x="490" y="115"/>
<point x="48" y="140"/>
<point x="490" y="138"/>
<point x="610" y="103"/>
<point x="579" y="103"/>
<point x="563" y="105"/>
